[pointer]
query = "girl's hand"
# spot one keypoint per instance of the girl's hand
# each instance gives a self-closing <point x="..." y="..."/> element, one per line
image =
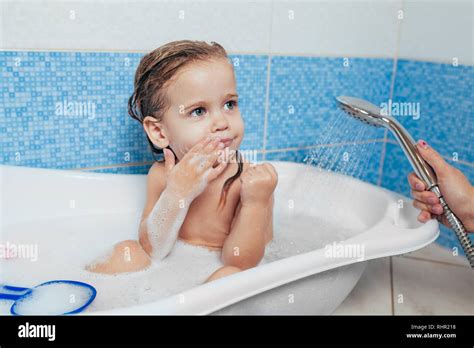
<point x="454" y="186"/>
<point x="258" y="183"/>
<point x="190" y="176"/>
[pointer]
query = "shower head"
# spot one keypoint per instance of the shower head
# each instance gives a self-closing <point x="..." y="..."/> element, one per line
<point x="372" y="115"/>
<point x="363" y="111"/>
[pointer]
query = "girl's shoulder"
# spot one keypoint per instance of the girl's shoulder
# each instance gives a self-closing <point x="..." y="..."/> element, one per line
<point x="156" y="167"/>
<point x="156" y="175"/>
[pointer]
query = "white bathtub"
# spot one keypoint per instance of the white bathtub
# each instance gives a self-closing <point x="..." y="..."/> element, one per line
<point x="86" y="213"/>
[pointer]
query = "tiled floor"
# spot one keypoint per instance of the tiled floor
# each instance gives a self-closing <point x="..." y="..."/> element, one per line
<point x="428" y="281"/>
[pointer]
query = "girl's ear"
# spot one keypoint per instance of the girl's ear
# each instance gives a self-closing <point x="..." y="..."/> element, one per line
<point x="156" y="132"/>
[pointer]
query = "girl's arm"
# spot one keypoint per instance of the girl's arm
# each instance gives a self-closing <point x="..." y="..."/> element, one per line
<point x="174" y="186"/>
<point x="163" y="215"/>
<point x="251" y="229"/>
<point x="159" y="231"/>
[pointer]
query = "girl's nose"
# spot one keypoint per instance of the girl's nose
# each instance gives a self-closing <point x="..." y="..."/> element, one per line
<point x="219" y="122"/>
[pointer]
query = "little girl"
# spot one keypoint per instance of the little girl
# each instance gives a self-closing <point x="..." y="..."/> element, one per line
<point x="185" y="97"/>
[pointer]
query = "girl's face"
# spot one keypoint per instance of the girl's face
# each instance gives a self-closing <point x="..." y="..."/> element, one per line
<point x="202" y="101"/>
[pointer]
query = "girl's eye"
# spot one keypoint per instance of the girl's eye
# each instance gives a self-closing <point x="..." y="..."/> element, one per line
<point x="194" y="113"/>
<point x="198" y="112"/>
<point x="233" y="103"/>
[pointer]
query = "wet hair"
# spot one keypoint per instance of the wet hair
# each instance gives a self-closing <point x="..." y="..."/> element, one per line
<point x="153" y="73"/>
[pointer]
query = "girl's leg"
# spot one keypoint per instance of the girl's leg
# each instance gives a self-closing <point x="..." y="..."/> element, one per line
<point x="222" y="272"/>
<point x="126" y="256"/>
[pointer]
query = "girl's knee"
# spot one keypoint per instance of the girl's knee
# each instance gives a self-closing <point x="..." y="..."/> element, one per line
<point x="126" y="256"/>
<point x="127" y="247"/>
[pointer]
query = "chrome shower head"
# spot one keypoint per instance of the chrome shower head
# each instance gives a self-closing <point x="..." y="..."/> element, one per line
<point x="372" y="115"/>
<point x="363" y="111"/>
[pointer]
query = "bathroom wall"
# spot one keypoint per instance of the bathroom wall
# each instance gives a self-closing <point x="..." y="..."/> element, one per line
<point x="66" y="80"/>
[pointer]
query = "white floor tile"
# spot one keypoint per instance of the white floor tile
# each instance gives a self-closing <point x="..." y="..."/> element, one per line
<point x="436" y="252"/>
<point x="426" y="287"/>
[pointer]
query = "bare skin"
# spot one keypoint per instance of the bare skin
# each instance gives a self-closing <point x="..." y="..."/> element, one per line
<point x="242" y="228"/>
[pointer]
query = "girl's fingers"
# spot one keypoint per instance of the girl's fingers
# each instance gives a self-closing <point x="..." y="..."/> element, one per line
<point x="209" y="148"/>
<point x="199" y="153"/>
<point x="213" y="155"/>
<point x="214" y="172"/>
<point x="415" y="182"/>
<point x="208" y="157"/>
<point x="425" y="196"/>
<point x="201" y="144"/>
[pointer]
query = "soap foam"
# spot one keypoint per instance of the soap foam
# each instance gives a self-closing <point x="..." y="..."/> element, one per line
<point x="67" y="245"/>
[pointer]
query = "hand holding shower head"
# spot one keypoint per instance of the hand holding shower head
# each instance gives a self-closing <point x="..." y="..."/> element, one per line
<point x="372" y="115"/>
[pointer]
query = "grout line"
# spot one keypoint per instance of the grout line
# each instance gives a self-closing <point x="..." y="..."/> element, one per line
<point x="447" y="158"/>
<point x="391" y="286"/>
<point x="276" y="151"/>
<point x="267" y="86"/>
<point x="267" y="98"/>
<point x="392" y="87"/>
<point x="134" y="164"/>
<point x="236" y="53"/>
<point x="361" y="142"/>
<point x="112" y="50"/>
<point x="230" y="52"/>
<point x="435" y="261"/>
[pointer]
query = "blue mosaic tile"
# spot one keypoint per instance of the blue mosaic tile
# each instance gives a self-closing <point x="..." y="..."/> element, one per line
<point x="124" y="170"/>
<point x="303" y="111"/>
<point x="395" y="171"/>
<point x="360" y="160"/>
<point x="143" y="169"/>
<point x="251" y="77"/>
<point x="445" y="94"/>
<point x="69" y="109"/>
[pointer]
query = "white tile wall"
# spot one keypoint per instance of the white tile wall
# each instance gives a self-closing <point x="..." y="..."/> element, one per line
<point x="434" y="30"/>
<point x="438" y="30"/>
<point x="240" y="26"/>
<point x="339" y="28"/>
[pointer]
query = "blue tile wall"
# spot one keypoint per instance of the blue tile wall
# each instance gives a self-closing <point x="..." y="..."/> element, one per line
<point x="251" y="77"/>
<point x="302" y="113"/>
<point x="38" y="131"/>
<point x="302" y="106"/>
<point x="445" y="94"/>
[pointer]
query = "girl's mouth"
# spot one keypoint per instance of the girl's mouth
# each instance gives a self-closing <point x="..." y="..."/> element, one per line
<point x="227" y="142"/>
